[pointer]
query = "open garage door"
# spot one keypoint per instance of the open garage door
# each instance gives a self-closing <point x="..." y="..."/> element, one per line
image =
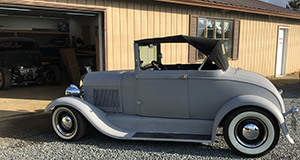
<point x="32" y="41"/>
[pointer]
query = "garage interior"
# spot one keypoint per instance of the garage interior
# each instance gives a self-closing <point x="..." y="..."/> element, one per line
<point x="69" y="39"/>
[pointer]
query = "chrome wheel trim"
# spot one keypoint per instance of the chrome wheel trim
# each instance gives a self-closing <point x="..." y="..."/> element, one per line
<point x="251" y="135"/>
<point x="65" y="130"/>
<point x="251" y="150"/>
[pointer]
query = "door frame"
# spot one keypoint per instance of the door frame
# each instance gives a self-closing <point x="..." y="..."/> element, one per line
<point x="284" y="53"/>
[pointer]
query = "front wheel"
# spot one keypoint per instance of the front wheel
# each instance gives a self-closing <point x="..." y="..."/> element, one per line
<point x="251" y="131"/>
<point x="68" y="123"/>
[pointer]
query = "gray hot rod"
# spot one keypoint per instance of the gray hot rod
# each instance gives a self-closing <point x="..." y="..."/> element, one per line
<point x="181" y="102"/>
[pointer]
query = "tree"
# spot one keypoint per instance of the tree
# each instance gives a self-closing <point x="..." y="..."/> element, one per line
<point x="294" y="5"/>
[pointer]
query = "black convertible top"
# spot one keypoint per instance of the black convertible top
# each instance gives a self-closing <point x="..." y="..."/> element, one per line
<point x="214" y="49"/>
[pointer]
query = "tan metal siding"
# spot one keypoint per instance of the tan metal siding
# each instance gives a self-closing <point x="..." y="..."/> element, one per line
<point x="258" y="46"/>
<point x="293" y="56"/>
<point x="129" y="20"/>
<point x="193" y="32"/>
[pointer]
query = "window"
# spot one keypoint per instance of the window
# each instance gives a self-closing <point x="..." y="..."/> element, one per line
<point x="214" y="28"/>
<point x="147" y="55"/>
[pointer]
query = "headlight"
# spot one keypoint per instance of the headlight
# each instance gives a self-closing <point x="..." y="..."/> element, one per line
<point x="73" y="91"/>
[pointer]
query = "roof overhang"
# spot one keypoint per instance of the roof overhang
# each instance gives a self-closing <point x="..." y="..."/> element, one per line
<point x="232" y="8"/>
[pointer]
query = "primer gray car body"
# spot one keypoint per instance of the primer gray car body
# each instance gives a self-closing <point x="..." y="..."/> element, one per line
<point x="184" y="105"/>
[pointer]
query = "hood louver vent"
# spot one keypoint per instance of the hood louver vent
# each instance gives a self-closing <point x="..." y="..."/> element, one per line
<point x="107" y="99"/>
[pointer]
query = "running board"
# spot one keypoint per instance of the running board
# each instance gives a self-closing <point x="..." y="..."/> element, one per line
<point x="171" y="137"/>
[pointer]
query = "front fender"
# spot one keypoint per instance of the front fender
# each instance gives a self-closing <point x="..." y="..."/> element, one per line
<point x="250" y="100"/>
<point x="94" y="115"/>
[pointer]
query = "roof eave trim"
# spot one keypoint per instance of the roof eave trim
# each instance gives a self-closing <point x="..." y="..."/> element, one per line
<point x="232" y="8"/>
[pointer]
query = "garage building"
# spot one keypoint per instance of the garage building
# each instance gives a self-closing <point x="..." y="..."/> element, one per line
<point x="259" y="36"/>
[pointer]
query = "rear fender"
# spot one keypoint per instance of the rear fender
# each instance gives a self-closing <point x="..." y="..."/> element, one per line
<point x="94" y="115"/>
<point x="250" y="100"/>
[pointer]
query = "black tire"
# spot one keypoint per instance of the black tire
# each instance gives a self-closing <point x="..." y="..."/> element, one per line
<point x="54" y="76"/>
<point x="5" y="78"/>
<point x="68" y="123"/>
<point x="251" y="132"/>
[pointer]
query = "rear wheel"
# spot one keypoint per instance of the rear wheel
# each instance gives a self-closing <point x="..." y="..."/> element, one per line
<point x="5" y="78"/>
<point x="68" y="123"/>
<point x="251" y="132"/>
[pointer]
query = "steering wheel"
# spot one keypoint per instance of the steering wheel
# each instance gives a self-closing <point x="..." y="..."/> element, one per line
<point x="158" y="66"/>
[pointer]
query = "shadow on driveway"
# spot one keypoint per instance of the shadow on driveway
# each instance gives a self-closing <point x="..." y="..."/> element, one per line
<point x="34" y="92"/>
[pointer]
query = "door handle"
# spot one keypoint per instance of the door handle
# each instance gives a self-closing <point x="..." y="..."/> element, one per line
<point x="183" y="77"/>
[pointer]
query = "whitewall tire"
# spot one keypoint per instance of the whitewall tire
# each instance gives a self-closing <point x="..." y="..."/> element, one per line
<point x="251" y="131"/>
<point x="68" y="123"/>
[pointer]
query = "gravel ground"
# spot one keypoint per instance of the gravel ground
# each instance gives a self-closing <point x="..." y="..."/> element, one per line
<point x="32" y="138"/>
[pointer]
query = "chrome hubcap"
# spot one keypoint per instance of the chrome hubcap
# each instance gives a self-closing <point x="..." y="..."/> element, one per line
<point x="250" y="131"/>
<point x="67" y="122"/>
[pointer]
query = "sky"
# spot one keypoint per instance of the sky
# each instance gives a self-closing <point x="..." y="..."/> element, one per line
<point x="281" y="3"/>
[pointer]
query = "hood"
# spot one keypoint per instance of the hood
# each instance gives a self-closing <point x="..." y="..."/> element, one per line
<point x="104" y="78"/>
<point x="103" y="89"/>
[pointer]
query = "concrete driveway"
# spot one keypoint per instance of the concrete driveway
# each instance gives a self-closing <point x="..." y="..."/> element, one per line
<point x="20" y="100"/>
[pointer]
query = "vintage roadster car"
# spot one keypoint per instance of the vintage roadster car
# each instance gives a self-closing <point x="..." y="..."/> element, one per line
<point x="181" y="102"/>
<point x="21" y="64"/>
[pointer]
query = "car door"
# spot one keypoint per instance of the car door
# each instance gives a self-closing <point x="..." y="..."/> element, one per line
<point x="163" y="93"/>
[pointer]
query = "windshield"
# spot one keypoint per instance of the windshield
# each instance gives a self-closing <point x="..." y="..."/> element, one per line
<point x="147" y="55"/>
